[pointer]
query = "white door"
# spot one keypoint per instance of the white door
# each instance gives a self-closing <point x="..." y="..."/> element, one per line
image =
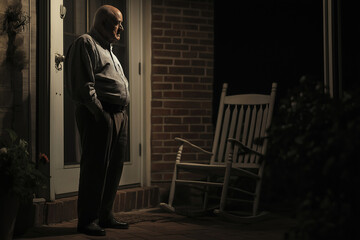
<point x="64" y="142"/>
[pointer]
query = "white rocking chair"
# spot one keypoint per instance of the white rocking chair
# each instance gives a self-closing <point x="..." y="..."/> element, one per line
<point x="236" y="155"/>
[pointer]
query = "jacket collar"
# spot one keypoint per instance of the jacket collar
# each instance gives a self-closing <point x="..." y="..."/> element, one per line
<point x="97" y="36"/>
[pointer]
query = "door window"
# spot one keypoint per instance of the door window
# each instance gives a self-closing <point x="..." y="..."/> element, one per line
<point x="78" y="20"/>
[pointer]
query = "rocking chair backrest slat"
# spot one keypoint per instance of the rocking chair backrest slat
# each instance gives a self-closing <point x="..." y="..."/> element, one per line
<point x="243" y="117"/>
<point x="257" y="132"/>
<point x="263" y="132"/>
<point x="250" y="138"/>
<point x="213" y="159"/>
<point x="224" y="135"/>
<point x="239" y="128"/>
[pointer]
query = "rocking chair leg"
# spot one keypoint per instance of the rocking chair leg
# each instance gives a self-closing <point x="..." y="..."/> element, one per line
<point x="206" y="196"/>
<point x="225" y="187"/>
<point x="169" y="206"/>
<point x="172" y="187"/>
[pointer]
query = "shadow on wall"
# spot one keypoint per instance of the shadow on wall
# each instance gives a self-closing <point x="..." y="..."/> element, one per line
<point x="12" y="105"/>
<point x="12" y="101"/>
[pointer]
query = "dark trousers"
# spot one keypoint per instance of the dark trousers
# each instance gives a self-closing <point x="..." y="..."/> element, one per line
<point x="103" y="143"/>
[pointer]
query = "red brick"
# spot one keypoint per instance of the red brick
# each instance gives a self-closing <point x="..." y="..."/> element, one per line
<point x="69" y="209"/>
<point x="186" y="26"/>
<point x="182" y="104"/>
<point x="174" y="11"/>
<point x="198" y="63"/>
<point x="161" y="166"/>
<point x="156" y="176"/>
<point x="197" y="128"/>
<point x="157" y="17"/>
<point x="189" y="55"/>
<point x="130" y="200"/>
<point x="160" y="112"/>
<point x="180" y="70"/>
<point x="171" y="143"/>
<point x="183" y="86"/>
<point x="172" y="33"/>
<point x="139" y="199"/>
<point x="157" y="94"/>
<point x="156" y="143"/>
<point x="154" y="197"/>
<point x="191" y="12"/>
<point x="156" y="104"/>
<point x="156" y="157"/>
<point x="163" y="61"/>
<point x="157" y="128"/>
<point x="156" y="32"/>
<point x="197" y="94"/>
<point x="161" y="39"/>
<point x="171" y="157"/>
<point x="157" y="2"/>
<point x="160" y="136"/>
<point x="176" y="47"/>
<point x="173" y="94"/>
<point x="182" y="62"/>
<point x="191" y="79"/>
<point x="157" y="79"/>
<point x="192" y="120"/>
<point x="163" y="53"/>
<point x="172" y="120"/>
<point x="156" y="120"/>
<point x="146" y="197"/>
<point x="180" y="112"/>
<point x="54" y="212"/>
<point x="172" y="78"/>
<point x="190" y="40"/>
<point x="179" y="4"/>
<point x="159" y="70"/>
<point x="176" y="128"/>
<point x="161" y="25"/>
<point x="156" y="150"/>
<point x="190" y="135"/>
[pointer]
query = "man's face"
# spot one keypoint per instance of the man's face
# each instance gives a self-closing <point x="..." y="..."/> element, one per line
<point x="114" y="27"/>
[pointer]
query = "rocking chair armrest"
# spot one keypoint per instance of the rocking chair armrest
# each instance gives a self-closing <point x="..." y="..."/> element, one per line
<point x="193" y="145"/>
<point x="243" y="148"/>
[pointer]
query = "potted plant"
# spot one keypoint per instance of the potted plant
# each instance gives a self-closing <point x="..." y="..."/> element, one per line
<point x="19" y="179"/>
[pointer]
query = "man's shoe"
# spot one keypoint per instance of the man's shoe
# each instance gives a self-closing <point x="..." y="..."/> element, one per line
<point x="92" y="229"/>
<point x="113" y="223"/>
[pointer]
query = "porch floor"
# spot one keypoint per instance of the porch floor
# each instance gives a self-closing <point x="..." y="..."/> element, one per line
<point x="155" y="224"/>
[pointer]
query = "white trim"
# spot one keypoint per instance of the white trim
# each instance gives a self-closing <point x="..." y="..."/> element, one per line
<point x="56" y="100"/>
<point x="132" y="173"/>
<point x="146" y="78"/>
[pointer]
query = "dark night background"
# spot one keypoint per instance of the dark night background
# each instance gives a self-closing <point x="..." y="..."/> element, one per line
<point x="265" y="41"/>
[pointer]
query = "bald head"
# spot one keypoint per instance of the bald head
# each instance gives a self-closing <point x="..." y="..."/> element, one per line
<point x="108" y="22"/>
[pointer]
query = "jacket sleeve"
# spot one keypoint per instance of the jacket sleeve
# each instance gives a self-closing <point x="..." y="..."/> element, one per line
<point x="79" y="74"/>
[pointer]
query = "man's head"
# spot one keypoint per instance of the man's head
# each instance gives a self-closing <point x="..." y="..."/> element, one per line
<point x="108" y="22"/>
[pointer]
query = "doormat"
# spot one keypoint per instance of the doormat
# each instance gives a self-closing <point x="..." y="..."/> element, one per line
<point x="144" y="216"/>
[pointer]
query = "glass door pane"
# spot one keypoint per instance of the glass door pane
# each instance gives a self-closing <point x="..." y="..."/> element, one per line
<point x="78" y="20"/>
<point x="75" y="24"/>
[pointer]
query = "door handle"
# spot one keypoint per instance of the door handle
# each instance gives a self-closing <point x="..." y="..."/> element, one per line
<point x="62" y="11"/>
<point x="58" y="60"/>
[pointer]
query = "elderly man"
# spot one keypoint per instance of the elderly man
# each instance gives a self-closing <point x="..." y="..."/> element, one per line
<point x="96" y="82"/>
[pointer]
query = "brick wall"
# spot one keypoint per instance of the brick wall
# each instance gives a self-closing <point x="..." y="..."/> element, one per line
<point x="182" y="80"/>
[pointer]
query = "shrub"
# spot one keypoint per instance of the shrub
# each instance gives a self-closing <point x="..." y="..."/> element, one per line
<point x="313" y="148"/>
